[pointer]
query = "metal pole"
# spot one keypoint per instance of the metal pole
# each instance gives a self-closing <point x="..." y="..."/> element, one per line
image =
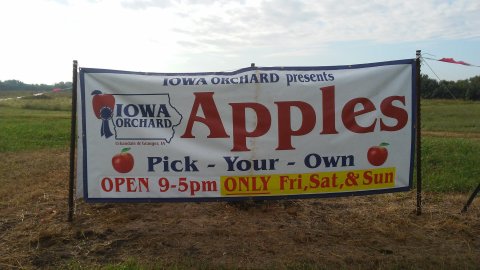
<point x="419" y="138"/>
<point x="470" y="200"/>
<point x="73" y="124"/>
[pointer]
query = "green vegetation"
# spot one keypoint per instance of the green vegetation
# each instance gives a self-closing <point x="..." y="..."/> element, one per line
<point x="450" y="145"/>
<point x="451" y="116"/>
<point x="450" y="164"/>
<point x="34" y="122"/>
<point x="16" y="85"/>
<point x="23" y="129"/>
<point x="49" y="102"/>
<point x="468" y="89"/>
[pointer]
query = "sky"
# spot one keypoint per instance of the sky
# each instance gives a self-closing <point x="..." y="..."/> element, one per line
<point x="41" y="38"/>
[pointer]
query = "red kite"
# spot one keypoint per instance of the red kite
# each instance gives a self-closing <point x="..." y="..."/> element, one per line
<point x="453" y="61"/>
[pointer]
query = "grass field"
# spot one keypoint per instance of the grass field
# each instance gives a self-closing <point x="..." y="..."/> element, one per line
<point x="24" y="129"/>
<point x="455" y="116"/>
<point x="368" y="232"/>
<point x="33" y="122"/>
<point x="60" y="101"/>
<point x="450" y="145"/>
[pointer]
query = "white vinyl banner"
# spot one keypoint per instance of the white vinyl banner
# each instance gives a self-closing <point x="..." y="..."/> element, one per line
<point x="263" y="132"/>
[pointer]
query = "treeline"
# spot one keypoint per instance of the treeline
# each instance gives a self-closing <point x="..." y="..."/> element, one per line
<point x="468" y="89"/>
<point x="13" y="85"/>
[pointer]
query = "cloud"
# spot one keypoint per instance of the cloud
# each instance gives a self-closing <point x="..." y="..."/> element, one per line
<point x="174" y="34"/>
<point x="63" y="2"/>
<point x="145" y="4"/>
<point x="288" y="23"/>
<point x="223" y="25"/>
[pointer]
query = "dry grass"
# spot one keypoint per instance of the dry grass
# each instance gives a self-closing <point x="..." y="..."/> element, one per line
<point x="371" y="232"/>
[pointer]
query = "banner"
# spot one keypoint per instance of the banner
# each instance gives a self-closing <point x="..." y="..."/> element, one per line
<point x="263" y="132"/>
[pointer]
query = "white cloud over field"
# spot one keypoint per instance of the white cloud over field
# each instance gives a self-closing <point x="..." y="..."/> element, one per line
<point x="41" y="38"/>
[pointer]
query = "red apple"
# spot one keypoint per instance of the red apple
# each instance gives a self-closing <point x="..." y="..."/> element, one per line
<point x="123" y="161"/>
<point x="377" y="155"/>
<point x="100" y="101"/>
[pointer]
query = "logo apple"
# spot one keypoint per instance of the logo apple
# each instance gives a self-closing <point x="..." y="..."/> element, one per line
<point x="103" y="105"/>
<point x="377" y="155"/>
<point x="123" y="161"/>
<point x="101" y="101"/>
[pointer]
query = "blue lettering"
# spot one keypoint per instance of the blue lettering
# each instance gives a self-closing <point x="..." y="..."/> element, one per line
<point x="129" y="113"/>
<point x="147" y="110"/>
<point x="163" y="110"/>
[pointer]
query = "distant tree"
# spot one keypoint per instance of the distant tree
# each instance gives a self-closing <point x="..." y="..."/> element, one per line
<point x="427" y="86"/>
<point x="63" y="85"/>
<point x="462" y="89"/>
<point x="13" y="85"/>
<point x="430" y="88"/>
<point x="443" y="91"/>
<point x="473" y="91"/>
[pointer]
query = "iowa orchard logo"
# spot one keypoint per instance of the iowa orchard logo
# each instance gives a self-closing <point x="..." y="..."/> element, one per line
<point x="136" y="116"/>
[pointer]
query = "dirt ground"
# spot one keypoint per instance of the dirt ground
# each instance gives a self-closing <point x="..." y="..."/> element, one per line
<point x="370" y="232"/>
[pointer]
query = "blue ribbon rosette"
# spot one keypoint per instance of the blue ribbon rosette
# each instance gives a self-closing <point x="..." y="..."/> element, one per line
<point x="106" y="114"/>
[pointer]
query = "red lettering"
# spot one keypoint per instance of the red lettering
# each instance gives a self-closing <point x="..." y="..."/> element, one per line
<point x="107" y="184"/>
<point x="240" y="132"/>
<point x="285" y="131"/>
<point x="212" y="118"/>
<point x="392" y="116"/>
<point x="119" y="182"/>
<point x="328" y="108"/>
<point x="243" y="181"/>
<point x="367" y="178"/>
<point x="143" y="182"/>
<point x="131" y="187"/>
<point x="349" y="114"/>
<point x="392" y="111"/>
<point x="233" y="184"/>
<point x="314" y="179"/>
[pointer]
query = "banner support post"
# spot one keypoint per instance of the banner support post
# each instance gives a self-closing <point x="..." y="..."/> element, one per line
<point x="418" y="136"/>
<point x="470" y="200"/>
<point x="73" y="124"/>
